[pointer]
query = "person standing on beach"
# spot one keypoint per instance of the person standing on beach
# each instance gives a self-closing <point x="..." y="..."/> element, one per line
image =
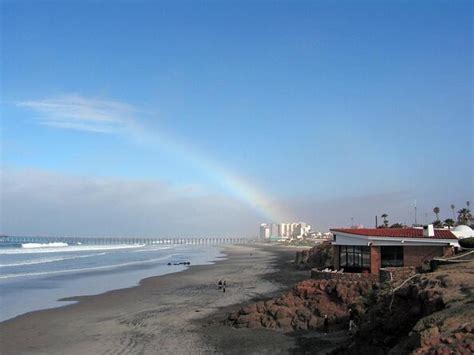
<point x="326" y="324"/>
<point x="219" y="284"/>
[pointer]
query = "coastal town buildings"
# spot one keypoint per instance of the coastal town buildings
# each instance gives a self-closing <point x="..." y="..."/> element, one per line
<point x="368" y="250"/>
<point x="284" y="231"/>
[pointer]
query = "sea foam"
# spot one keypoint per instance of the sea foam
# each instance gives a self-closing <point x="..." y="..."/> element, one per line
<point x="44" y="245"/>
<point x="50" y="260"/>
<point x="90" y="269"/>
<point x="69" y="248"/>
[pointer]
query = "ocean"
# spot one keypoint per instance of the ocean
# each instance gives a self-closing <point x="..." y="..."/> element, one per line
<point x="35" y="276"/>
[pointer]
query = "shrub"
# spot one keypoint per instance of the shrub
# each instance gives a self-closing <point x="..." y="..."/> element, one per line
<point x="467" y="242"/>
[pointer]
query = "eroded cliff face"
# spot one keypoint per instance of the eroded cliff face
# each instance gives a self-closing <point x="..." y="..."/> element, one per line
<point x="304" y="307"/>
<point x="319" y="256"/>
<point x="433" y="313"/>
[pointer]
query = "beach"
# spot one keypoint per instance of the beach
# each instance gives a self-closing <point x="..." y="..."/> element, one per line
<point x="182" y="312"/>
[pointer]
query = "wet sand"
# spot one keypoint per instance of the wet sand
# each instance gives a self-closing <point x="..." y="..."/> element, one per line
<point x="175" y="313"/>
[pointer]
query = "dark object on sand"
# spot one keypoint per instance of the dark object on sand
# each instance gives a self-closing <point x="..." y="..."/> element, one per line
<point x="219" y="284"/>
<point x="182" y="263"/>
<point x="223" y="290"/>
<point x="169" y="264"/>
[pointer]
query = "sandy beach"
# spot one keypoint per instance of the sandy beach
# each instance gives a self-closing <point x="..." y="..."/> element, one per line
<point x="174" y="313"/>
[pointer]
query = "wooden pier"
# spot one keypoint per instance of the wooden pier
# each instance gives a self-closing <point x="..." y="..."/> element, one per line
<point x="125" y="240"/>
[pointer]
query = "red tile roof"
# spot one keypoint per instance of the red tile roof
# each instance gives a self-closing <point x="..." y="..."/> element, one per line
<point x="396" y="232"/>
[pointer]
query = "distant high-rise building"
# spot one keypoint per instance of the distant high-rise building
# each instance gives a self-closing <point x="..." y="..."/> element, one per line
<point x="274" y="230"/>
<point x="264" y="231"/>
<point x="283" y="231"/>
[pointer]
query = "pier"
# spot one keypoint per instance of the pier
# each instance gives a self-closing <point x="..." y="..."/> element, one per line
<point x="125" y="240"/>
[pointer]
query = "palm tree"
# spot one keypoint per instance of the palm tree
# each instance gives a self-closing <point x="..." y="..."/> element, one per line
<point x="385" y="221"/>
<point x="453" y="207"/>
<point x="438" y="224"/>
<point x="449" y="222"/>
<point x="436" y="211"/>
<point x="464" y="216"/>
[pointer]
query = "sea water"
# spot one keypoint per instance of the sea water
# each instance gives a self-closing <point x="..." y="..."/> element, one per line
<point x="35" y="276"/>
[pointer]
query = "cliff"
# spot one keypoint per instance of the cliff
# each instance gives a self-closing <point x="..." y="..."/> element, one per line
<point x="432" y="313"/>
<point x="429" y="313"/>
<point x="319" y="256"/>
<point x="304" y="307"/>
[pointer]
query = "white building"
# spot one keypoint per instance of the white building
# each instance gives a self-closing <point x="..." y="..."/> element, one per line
<point x="264" y="231"/>
<point x="284" y="231"/>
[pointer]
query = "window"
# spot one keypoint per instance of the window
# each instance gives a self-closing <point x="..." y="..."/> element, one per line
<point x="354" y="257"/>
<point x="391" y="256"/>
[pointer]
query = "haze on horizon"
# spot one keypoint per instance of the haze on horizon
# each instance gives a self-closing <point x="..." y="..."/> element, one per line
<point x="192" y="119"/>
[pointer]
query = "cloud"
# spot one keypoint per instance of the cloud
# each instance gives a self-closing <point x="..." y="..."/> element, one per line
<point x="36" y="202"/>
<point x="85" y="114"/>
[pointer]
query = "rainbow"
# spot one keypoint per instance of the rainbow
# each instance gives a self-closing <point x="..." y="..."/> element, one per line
<point x="234" y="185"/>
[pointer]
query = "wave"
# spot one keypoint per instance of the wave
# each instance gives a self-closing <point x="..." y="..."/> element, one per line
<point x="153" y="248"/>
<point x="44" y="245"/>
<point x="51" y="260"/>
<point x="105" y="267"/>
<point x="70" y="248"/>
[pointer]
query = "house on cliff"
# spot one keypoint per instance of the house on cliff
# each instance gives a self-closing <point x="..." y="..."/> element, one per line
<point x="369" y="249"/>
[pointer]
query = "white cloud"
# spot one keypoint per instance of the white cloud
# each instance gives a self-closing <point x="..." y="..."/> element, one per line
<point x="35" y="202"/>
<point x="81" y="113"/>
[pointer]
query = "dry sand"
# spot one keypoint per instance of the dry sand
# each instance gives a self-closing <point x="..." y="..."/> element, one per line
<point x="176" y="313"/>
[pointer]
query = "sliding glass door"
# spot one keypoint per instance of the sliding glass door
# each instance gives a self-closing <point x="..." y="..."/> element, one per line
<point x="354" y="257"/>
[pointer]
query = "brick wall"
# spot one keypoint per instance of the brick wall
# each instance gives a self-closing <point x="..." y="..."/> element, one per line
<point x="374" y="260"/>
<point x="416" y="255"/>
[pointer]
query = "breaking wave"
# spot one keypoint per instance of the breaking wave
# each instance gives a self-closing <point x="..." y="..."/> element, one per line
<point x="44" y="245"/>
<point x="50" y="260"/>
<point x="105" y="267"/>
<point x="68" y="248"/>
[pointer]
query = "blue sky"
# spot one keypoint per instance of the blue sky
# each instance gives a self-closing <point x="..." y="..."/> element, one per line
<point x="321" y="110"/>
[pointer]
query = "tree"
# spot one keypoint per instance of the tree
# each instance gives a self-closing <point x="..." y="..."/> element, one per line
<point x="449" y="222"/>
<point x="385" y="221"/>
<point x="464" y="216"/>
<point x="453" y="207"/>
<point x="397" y="225"/>
<point x="436" y="211"/>
<point x="438" y="224"/>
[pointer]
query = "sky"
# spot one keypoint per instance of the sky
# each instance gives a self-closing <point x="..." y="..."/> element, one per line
<point x="199" y="118"/>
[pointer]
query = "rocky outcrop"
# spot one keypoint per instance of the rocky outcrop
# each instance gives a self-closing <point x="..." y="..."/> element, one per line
<point x="319" y="256"/>
<point x="304" y="307"/>
<point x="430" y="314"/>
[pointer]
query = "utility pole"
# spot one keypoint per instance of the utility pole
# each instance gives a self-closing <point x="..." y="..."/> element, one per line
<point x="415" y="214"/>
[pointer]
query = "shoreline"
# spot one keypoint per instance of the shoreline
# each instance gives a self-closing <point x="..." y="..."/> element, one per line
<point x="169" y="311"/>
<point x="60" y="288"/>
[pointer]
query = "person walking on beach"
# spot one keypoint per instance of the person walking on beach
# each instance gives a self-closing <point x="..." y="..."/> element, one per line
<point x="219" y="284"/>
<point x="326" y="324"/>
<point x="351" y="320"/>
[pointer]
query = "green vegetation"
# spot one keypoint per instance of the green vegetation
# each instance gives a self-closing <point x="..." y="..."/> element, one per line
<point x="467" y="243"/>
